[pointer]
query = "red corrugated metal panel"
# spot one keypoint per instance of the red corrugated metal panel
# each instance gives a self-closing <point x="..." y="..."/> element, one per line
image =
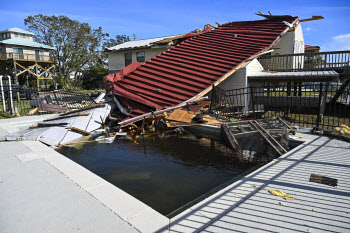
<point x="193" y="65"/>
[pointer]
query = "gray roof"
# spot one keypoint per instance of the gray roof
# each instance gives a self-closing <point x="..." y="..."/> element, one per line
<point x="25" y="43"/>
<point x="138" y="43"/>
<point x="18" y="30"/>
<point x="294" y="76"/>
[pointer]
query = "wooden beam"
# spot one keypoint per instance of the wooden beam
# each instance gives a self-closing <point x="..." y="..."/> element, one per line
<point x="312" y="19"/>
<point x="83" y="109"/>
<point x="79" y="130"/>
<point x="47" y="70"/>
<point x="25" y="69"/>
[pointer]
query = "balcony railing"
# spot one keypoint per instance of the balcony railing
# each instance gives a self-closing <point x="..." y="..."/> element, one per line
<point x="27" y="57"/>
<point x="336" y="60"/>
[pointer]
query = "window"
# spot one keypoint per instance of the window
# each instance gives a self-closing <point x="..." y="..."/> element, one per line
<point x="16" y="35"/>
<point x="140" y="56"/>
<point x="18" y="53"/>
<point x="39" y="55"/>
<point x="128" y="59"/>
<point x="8" y="35"/>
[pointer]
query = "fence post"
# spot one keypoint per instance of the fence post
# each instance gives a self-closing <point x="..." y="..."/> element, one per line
<point x="252" y="97"/>
<point x="2" y="95"/>
<point x="319" y="118"/>
<point x="212" y="98"/>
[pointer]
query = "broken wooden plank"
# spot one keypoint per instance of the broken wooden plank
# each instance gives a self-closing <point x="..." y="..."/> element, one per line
<point x="227" y="136"/>
<point x="181" y="116"/>
<point x="83" y="109"/>
<point x="64" y="117"/>
<point x="271" y="140"/>
<point x="146" y="115"/>
<point x="79" y="130"/>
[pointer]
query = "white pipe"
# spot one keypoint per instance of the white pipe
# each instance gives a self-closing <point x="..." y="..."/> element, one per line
<point x="121" y="108"/>
<point x="11" y="100"/>
<point x="134" y="119"/>
<point x="2" y="95"/>
<point x="100" y="97"/>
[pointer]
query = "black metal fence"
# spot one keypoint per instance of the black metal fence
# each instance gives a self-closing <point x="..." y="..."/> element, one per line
<point x="304" y="104"/>
<point x="15" y="99"/>
<point x="336" y="60"/>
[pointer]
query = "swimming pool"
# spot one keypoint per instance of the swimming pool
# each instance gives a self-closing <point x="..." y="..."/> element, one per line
<point x="165" y="173"/>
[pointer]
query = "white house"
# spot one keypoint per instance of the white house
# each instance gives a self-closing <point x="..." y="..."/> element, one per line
<point x="17" y="43"/>
<point x="124" y="54"/>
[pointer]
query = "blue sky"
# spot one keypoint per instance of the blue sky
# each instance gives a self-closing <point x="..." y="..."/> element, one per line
<point x="160" y="18"/>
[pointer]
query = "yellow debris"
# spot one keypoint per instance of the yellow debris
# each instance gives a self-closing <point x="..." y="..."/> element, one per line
<point x="313" y="210"/>
<point x="345" y="126"/>
<point x="301" y="137"/>
<point x="275" y="160"/>
<point x="279" y="193"/>
<point x="257" y="187"/>
<point x="343" y="129"/>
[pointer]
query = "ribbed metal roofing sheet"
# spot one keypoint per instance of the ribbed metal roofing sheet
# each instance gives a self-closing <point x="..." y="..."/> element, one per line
<point x="187" y="69"/>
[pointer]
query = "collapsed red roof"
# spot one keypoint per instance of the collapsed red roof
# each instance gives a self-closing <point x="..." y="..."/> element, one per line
<point x="184" y="71"/>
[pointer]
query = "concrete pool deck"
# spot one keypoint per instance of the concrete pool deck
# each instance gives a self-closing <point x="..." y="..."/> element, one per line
<point x="43" y="191"/>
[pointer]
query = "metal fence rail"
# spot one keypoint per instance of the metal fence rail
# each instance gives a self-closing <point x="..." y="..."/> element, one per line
<point x="305" y="104"/>
<point x="15" y="99"/>
<point x="337" y="60"/>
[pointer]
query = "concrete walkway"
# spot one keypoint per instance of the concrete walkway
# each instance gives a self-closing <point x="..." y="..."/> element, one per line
<point x="43" y="191"/>
<point x="36" y="197"/>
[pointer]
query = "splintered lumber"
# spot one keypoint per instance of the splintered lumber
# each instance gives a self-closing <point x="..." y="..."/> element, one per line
<point x="83" y="109"/>
<point x="288" y="126"/>
<point x="311" y="19"/>
<point x="64" y="117"/>
<point x="33" y="111"/>
<point x="146" y="115"/>
<point x="271" y="140"/>
<point x="227" y="136"/>
<point x="79" y="130"/>
<point x="186" y="117"/>
<point x="181" y="115"/>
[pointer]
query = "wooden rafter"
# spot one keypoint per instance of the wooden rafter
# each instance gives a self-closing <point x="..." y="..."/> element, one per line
<point x="318" y="17"/>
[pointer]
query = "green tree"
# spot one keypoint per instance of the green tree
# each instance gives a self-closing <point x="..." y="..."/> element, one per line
<point x="77" y="45"/>
<point x="92" y="77"/>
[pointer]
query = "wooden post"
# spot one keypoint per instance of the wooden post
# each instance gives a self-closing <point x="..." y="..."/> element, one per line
<point x="37" y="79"/>
<point x="324" y="100"/>
<point x="14" y="65"/>
<point x="54" y="78"/>
<point x="252" y="97"/>
<point x="319" y="117"/>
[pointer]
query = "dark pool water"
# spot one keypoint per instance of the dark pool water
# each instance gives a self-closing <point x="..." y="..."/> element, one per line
<point x="164" y="173"/>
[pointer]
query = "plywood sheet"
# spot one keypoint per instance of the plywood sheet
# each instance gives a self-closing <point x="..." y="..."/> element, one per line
<point x="181" y="115"/>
